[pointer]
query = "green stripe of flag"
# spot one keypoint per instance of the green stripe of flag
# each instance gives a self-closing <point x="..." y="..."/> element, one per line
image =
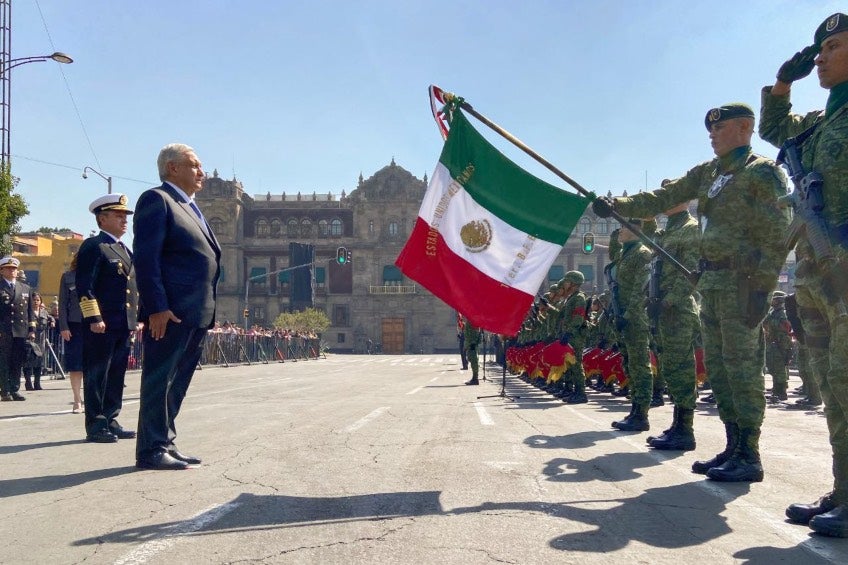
<point x="508" y="191"/>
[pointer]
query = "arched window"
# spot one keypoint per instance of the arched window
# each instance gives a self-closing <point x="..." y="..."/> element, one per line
<point x="306" y="227"/>
<point x="392" y="276"/>
<point x="585" y="225"/>
<point x="602" y="227"/>
<point x="261" y="227"/>
<point x="217" y="225"/>
<point x="393" y="229"/>
<point x="323" y="228"/>
<point x="336" y="227"/>
<point x="276" y="227"/>
<point x="291" y="228"/>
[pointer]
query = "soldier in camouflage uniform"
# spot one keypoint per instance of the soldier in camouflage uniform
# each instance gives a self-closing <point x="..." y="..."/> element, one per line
<point x="823" y="294"/>
<point x="677" y="325"/>
<point x="778" y="337"/>
<point x="572" y="330"/>
<point x="472" y="340"/>
<point x="631" y="276"/>
<point x="742" y="230"/>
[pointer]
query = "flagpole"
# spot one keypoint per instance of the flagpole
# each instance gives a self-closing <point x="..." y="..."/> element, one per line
<point x="691" y="276"/>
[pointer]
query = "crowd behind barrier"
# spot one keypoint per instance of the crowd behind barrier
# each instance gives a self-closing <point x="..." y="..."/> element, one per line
<point x="223" y="346"/>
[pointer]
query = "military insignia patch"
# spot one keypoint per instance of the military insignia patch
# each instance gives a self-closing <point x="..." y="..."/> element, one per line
<point x="717" y="185"/>
<point x="123" y="200"/>
<point x="476" y="235"/>
<point x="715" y="114"/>
<point x="832" y="23"/>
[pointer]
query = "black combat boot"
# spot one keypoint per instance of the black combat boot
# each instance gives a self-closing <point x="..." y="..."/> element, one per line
<point x="657" y="398"/>
<point x="744" y="465"/>
<point x="637" y="422"/>
<point x="578" y="397"/>
<point x="37" y="379"/>
<point x="833" y="523"/>
<point x="27" y="382"/>
<point x="673" y="425"/>
<point x="803" y="513"/>
<point x="627" y="418"/>
<point x="681" y="437"/>
<point x="731" y="432"/>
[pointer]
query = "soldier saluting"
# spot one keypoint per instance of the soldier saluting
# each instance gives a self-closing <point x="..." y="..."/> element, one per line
<point x="822" y="249"/>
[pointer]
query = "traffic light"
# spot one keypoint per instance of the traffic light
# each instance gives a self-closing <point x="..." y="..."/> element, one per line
<point x="349" y="256"/>
<point x="588" y="242"/>
<point x="246" y="313"/>
<point x="341" y="256"/>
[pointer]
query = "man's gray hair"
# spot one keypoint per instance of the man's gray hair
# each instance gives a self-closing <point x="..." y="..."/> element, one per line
<point x="169" y="154"/>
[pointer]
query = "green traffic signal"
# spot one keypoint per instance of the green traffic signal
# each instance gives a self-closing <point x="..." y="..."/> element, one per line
<point x="588" y="242"/>
<point x="341" y="255"/>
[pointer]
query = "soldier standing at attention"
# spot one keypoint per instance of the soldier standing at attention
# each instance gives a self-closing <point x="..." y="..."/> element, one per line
<point x="105" y="280"/>
<point x="472" y="339"/>
<point x="16" y="327"/>
<point x="677" y="325"/>
<point x="823" y="295"/>
<point x="778" y="336"/>
<point x="572" y="330"/>
<point x="742" y="231"/>
<point x="632" y="324"/>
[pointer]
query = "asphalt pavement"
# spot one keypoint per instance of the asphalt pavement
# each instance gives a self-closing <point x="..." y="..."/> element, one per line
<point x="391" y="459"/>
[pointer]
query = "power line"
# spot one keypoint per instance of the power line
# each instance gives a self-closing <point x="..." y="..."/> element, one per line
<point x="75" y="168"/>
<point x="68" y="88"/>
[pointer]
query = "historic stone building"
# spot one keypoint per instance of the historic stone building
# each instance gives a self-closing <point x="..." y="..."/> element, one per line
<point x="368" y="299"/>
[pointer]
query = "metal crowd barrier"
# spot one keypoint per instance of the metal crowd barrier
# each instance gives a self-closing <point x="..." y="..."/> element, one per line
<point x="218" y="349"/>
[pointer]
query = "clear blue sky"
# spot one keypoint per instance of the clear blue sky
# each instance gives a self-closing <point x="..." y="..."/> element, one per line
<point x="304" y="96"/>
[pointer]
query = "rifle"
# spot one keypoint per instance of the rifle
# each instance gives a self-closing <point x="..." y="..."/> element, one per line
<point x="615" y="300"/>
<point x="807" y="202"/>
<point x="654" y="306"/>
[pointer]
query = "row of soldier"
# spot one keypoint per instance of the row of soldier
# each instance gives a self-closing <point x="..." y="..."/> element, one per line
<point x="737" y="246"/>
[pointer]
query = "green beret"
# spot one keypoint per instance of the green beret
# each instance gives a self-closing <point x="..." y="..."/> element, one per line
<point x="728" y="112"/>
<point x="575" y="277"/>
<point x="834" y="24"/>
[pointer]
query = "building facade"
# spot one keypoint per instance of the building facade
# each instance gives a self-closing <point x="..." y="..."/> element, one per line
<point x="367" y="300"/>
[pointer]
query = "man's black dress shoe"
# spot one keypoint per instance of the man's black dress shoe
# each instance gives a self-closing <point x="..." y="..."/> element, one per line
<point x="6" y="397"/>
<point x="161" y="461"/>
<point x="18" y="396"/>
<point x="121" y="432"/>
<point x="189" y="459"/>
<point x="102" y="436"/>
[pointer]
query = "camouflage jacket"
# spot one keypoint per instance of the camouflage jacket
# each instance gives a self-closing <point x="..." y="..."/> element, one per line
<point x="778" y="332"/>
<point x="572" y="318"/>
<point x="680" y="238"/>
<point x="825" y="151"/>
<point x="632" y="277"/>
<point x="742" y="224"/>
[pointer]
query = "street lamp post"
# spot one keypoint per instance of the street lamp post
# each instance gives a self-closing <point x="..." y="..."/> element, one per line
<point x="101" y="175"/>
<point x="6" y="65"/>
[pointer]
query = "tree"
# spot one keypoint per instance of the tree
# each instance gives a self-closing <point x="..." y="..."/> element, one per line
<point x="310" y="320"/>
<point x="48" y="230"/>
<point x="13" y="207"/>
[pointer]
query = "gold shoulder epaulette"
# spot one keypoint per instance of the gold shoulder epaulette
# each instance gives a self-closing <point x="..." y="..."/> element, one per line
<point x="89" y="307"/>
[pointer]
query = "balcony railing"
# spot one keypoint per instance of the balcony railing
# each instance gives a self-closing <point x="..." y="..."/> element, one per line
<point x="392" y="289"/>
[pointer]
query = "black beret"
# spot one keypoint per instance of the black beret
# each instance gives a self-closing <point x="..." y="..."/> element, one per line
<point x="728" y="112"/>
<point x="834" y="24"/>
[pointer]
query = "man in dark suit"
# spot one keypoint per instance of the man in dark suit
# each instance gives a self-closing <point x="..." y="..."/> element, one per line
<point x="178" y="262"/>
<point x="16" y="326"/>
<point x="105" y="281"/>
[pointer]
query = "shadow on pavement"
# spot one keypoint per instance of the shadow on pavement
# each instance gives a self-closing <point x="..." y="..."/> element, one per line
<point x="8" y="449"/>
<point x="29" y="485"/>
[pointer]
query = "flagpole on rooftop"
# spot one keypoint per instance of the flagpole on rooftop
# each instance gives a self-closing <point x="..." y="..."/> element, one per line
<point x="452" y="99"/>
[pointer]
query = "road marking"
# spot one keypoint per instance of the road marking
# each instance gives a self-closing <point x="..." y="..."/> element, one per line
<point x="434" y="379"/>
<point x="362" y="421"/>
<point x="485" y="419"/>
<point x="413" y="391"/>
<point x="148" y="550"/>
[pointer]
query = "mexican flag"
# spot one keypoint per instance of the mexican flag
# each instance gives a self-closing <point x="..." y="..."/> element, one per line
<point x="487" y="232"/>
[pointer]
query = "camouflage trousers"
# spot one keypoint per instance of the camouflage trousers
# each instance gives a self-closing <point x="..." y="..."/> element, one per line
<point x="776" y="367"/>
<point x="575" y="374"/>
<point x="733" y="359"/>
<point x="676" y="341"/>
<point x="805" y="371"/>
<point x="471" y="355"/>
<point x="825" y="320"/>
<point x="638" y="363"/>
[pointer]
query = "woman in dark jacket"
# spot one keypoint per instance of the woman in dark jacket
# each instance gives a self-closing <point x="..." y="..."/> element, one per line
<point x="70" y="327"/>
<point x="36" y="347"/>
